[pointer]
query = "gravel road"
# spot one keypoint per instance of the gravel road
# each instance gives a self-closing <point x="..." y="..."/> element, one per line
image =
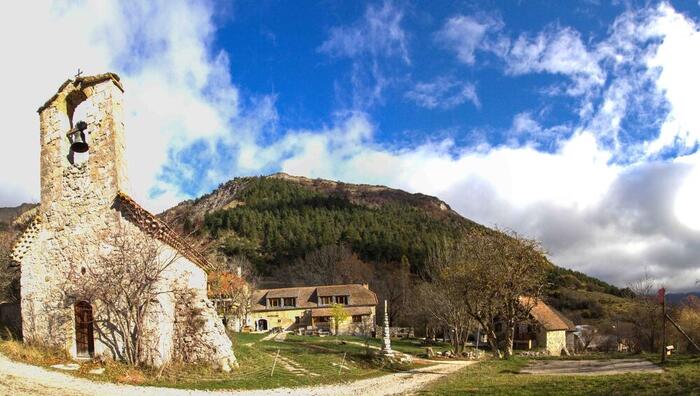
<point x="23" y="379"/>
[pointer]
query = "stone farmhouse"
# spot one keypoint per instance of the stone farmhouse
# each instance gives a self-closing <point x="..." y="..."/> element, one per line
<point x="549" y="330"/>
<point x="84" y="200"/>
<point x="309" y="309"/>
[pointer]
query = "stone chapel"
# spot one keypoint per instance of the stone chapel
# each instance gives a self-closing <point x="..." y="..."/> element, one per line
<point x="84" y="197"/>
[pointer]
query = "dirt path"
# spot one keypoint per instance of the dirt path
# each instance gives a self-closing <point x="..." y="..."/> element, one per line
<point x="363" y="345"/>
<point x="591" y="367"/>
<point x="22" y="379"/>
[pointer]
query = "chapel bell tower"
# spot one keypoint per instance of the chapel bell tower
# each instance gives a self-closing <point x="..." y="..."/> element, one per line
<point x="82" y="148"/>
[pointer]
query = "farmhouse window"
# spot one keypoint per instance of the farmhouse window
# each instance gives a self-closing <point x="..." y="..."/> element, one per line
<point x="343" y="300"/>
<point x="324" y="319"/>
<point x="356" y="318"/>
<point x="290" y="302"/>
<point x="326" y="300"/>
<point x="273" y="302"/>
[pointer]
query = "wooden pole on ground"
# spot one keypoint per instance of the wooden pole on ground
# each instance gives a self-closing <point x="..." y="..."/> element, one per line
<point x="342" y="363"/>
<point x="673" y="322"/>
<point x="662" y="297"/>
<point x="274" y="363"/>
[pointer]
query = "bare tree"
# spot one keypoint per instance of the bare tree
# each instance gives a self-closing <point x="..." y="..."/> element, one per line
<point x="645" y="313"/>
<point x="124" y="283"/>
<point x="586" y="336"/>
<point x="497" y="276"/>
<point x="687" y="316"/>
<point x="328" y="265"/>
<point x="393" y="283"/>
<point x="443" y="300"/>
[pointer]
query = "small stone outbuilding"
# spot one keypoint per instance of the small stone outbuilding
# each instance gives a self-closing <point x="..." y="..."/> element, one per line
<point x="547" y="330"/>
<point x="84" y="199"/>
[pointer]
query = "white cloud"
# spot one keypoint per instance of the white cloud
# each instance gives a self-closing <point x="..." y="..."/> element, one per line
<point x="370" y="43"/>
<point x="177" y="89"/>
<point x="556" y="51"/>
<point x="465" y="34"/>
<point x="444" y="93"/>
<point x="678" y="61"/>
<point x="524" y="123"/>
<point x="378" y="34"/>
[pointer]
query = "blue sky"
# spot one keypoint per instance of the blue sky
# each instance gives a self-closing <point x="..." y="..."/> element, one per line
<point x="571" y="122"/>
<point x="273" y="55"/>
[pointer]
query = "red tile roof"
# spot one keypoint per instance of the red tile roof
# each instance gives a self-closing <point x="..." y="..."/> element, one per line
<point x="156" y="228"/>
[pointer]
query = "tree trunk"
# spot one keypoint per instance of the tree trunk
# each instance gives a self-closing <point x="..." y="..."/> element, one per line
<point x="508" y="349"/>
<point x="493" y="342"/>
<point x="457" y="342"/>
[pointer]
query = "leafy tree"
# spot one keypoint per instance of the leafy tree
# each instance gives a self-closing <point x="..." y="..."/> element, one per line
<point x="339" y="315"/>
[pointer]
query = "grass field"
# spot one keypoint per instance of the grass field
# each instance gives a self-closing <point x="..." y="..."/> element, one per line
<point x="410" y="346"/>
<point x="314" y="360"/>
<point x="494" y="377"/>
<point x="303" y="360"/>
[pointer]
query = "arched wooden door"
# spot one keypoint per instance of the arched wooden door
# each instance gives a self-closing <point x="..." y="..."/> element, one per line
<point x="84" y="336"/>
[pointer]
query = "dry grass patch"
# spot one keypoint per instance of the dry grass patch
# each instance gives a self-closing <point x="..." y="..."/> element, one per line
<point x="32" y="354"/>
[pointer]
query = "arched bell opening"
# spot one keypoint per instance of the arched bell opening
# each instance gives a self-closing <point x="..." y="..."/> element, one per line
<point x="84" y="330"/>
<point x="77" y="109"/>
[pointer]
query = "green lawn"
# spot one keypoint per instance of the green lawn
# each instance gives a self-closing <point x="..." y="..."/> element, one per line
<point x="498" y="377"/>
<point x="316" y="361"/>
<point x="411" y="345"/>
<point x="317" y="358"/>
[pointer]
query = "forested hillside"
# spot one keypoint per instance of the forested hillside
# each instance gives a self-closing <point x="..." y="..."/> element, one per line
<point x="283" y="224"/>
<point x="281" y="221"/>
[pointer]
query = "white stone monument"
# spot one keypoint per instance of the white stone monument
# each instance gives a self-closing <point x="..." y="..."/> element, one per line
<point x="386" y="345"/>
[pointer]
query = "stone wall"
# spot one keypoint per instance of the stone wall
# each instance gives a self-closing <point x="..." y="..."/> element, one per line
<point x="556" y="342"/>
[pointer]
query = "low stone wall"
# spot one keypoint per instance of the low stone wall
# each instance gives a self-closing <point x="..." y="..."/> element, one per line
<point x="396" y="332"/>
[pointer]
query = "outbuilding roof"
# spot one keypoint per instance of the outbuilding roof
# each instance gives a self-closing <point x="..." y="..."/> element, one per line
<point x="548" y="317"/>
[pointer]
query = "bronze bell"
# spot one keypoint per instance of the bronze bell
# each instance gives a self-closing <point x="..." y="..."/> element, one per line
<point x="77" y="138"/>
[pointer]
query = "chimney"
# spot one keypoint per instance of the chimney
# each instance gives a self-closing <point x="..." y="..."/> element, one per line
<point x="239" y="271"/>
<point x="365" y="285"/>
